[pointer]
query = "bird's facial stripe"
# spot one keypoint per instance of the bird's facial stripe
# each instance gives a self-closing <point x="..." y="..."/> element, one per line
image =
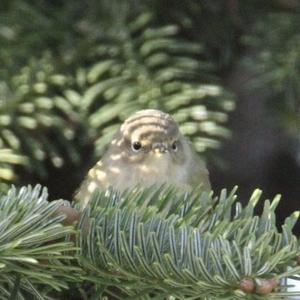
<point x="149" y="114"/>
<point x="129" y="129"/>
<point x="142" y="131"/>
<point x="150" y="133"/>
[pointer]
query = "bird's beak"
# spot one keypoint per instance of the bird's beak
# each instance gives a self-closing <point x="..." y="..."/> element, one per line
<point x="159" y="148"/>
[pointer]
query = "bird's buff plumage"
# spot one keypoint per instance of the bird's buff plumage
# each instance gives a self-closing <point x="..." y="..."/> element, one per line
<point x="148" y="149"/>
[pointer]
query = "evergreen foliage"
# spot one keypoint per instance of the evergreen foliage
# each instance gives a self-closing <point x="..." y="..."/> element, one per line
<point x="35" y="124"/>
<point x="34" y="246"/>
<point x="145" y="244"/>
<point x="7" y="159"/>
<point x="158" y="243"/>
<point x="150" y="67"/>
<point x="49" y="116"/>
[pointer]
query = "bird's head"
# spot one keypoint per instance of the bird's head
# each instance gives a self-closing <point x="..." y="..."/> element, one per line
<point x="151" y="135"/>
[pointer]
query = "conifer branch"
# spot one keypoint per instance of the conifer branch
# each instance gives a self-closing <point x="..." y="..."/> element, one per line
<point x="150" y="240"/>
<point x="35" y="248"/>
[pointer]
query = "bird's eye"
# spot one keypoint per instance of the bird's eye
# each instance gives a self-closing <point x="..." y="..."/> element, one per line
<point x="174" y="146"/>
<point x="136" y="146"/>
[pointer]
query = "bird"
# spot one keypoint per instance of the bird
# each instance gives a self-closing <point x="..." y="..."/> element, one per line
<point x="148" y="149"/>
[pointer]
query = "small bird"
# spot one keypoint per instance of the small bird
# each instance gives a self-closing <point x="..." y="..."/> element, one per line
<point x="148" y="149"/>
